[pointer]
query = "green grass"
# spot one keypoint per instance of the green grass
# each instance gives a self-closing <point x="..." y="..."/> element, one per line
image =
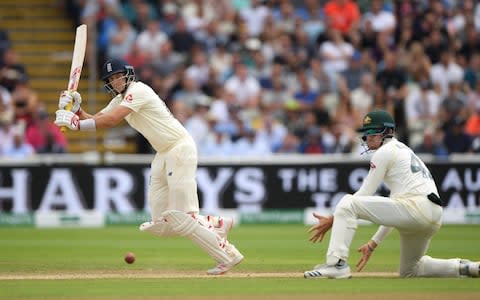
<point x="267" y="248"/>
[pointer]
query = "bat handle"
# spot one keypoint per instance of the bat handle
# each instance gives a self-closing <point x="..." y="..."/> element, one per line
<point x="69" y="108"/>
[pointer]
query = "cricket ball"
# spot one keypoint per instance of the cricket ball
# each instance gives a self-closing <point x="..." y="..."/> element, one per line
<point x="129" y="258"/>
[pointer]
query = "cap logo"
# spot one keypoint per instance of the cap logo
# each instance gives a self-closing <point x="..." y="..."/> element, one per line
<point x="109" y="67"/>
<point x="367" y="120"/>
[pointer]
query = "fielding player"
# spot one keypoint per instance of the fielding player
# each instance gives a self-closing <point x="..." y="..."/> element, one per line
<point x="413" y="208"/>
<point x="172" y="194"/>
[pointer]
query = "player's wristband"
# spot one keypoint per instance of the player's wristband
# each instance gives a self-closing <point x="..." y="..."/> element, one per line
<point x="87" y="125"/>
<point x="370" y="247"/>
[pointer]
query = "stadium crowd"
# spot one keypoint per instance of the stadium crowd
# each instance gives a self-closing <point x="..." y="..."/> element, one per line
<point x="25" y="127"/>
<point x="252" y="77"/>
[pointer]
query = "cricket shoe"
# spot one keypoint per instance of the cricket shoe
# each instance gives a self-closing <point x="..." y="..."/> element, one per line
<point x="339" y="271"/>
<point x="469" y="268"/>
<point x="221" y="225"/>
<point x="222" y="268"/>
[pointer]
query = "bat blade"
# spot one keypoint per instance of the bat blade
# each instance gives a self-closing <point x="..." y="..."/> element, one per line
<point x="77" y="61"/>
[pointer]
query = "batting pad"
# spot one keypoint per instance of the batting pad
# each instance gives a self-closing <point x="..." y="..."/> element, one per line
<point x="161" y="228"/>
<point x="185" y="225"/>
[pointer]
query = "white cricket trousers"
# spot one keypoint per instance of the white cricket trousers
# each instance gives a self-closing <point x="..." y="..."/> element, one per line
<point x="172" y="182"/>
<point x="417" y="220"/>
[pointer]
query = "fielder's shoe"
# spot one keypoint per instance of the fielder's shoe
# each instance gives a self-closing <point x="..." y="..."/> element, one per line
<point x="222" y="268"/>
<point x="221" y="225"/>
<point x="469" y="268"/>
<point x="339" y="271"/>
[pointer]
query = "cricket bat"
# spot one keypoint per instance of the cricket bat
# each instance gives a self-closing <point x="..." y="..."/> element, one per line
<point x="77" y="62"/>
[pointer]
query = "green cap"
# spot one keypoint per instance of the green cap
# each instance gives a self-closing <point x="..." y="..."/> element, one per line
<point x="375" y="121"/>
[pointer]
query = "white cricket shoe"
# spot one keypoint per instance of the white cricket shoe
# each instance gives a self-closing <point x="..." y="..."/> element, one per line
<point x="338" y="271"/>
<point x="222" y="268"/>
<point x="145" y="226"/>
<point x="472" y="269"/>
<point x="221" y="225"/>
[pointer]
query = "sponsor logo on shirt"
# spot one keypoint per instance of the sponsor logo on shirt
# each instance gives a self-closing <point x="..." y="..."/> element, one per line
<point x="129" y="98"/>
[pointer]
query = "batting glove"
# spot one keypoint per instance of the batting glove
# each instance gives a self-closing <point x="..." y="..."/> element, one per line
<point x="67" y="98"/>
<point x="68" y="119"/>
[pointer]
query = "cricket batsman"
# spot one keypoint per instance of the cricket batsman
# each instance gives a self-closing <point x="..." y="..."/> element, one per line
<point x="172" y="194"/>
<point x="414" y="208"/>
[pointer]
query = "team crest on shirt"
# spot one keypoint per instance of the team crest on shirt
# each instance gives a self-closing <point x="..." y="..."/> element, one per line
<point x="372" y="165"/>
<point x="129" y="98"/>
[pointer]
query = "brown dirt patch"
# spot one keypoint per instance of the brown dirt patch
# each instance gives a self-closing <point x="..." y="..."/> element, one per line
<point x="169" y="275"/>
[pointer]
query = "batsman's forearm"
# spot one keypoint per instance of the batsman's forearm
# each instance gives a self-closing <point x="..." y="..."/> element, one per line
<point x="82" y="115"/>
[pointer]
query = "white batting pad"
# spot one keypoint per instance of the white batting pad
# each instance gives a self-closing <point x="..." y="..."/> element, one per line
<point x="162" y="228"/>
<point x="186" y="225"/>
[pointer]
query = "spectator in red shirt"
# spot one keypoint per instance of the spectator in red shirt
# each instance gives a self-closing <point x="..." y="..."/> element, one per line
<point x="343" y="15"/>
<point x="44" y="136"/>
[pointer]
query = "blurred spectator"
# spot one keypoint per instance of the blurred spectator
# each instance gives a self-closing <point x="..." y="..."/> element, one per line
<point x="210" y="37"/>
<point x="44" y="136"/>
<point x="197" y="125"/>
<point x="472" y="126"/>
<point x="168" y="61"/>
<point x="472" y="72"/>
<point x="453" y="105"/>
<point x="336" y="53"/>
<point x="217" y="144"/>
<point x="455" y="139"/>
<point x="220" y="60"/>
<point x="470" y="46"/>
<point x="350" y="78"/>
<point x="271" y="131"/>
<point x="121" y="38"/>
<point x="6" y="106"/>
<point x="138" y="13"/>
<point x="436" y="44"/>
<point x="19" y="149"/>
<point x="313" y="18"/>
<point x="382" y="20"/>
<point x="189" y="94"/>
<point x="290" y="144"/>
<point x="432" y="143"/>
<point x="7" y="132"/>
<point x="198" y="13"/>
<point x="137" y="58"/>
<point x="182" y="39"/>
<point x="392" y="80"/>
<point x="312" y="142"/>
<point x="342" y="15"/>
<point x="169" y="12"/>
<point x="417" y="63"/>
<point x="250" y="144"/>
<point x="12" y="71"/>
<point x="25" y="102"/>
<point x="340" y="139"/>
<point x="361" y="98"/>
<point x="306" y="94"/>
<point x="255" y="16"/>
<point x="244" y="87"/>
<point x="150" y="40"/>
<point x="199" y="70"/>
<point x="445" y="72"/>
<point x="422" y="108"/>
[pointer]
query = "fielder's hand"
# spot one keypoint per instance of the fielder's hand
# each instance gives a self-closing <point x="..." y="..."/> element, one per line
<point x="68" y="119"/>
<point x="67" y="98"/>
<point x="366" y="251"/>
<point x="318" y="231"/>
